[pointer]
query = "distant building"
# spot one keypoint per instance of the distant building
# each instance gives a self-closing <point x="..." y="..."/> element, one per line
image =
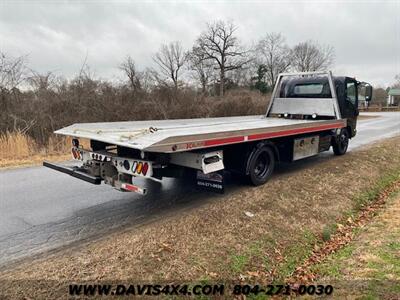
<point x="361" y="101"/>
<point x="393" y="97"/>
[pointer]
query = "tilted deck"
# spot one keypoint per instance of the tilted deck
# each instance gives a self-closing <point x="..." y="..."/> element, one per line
<point x="186" y="134"/>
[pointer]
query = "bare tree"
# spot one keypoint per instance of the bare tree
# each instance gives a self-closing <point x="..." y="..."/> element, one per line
<point x="310" y="56"/>
<point x="148" y="79"/>
<point x="379" y="96"/>
<point x="202" y="68"/>
<point x="12" y="71"/>
<point x="171" y="58"/>
<point x="42" y="82"/>
<point x="397" y="81"/>
<point x="241" y="77"/>
<point x="274" y="55"/>
<point x="129" y="69"/>
<point x="218" y="43"/>
<point x="85" y="74"/>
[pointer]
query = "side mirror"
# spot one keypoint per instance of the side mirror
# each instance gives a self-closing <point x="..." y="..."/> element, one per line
<point x="368" y="93"/>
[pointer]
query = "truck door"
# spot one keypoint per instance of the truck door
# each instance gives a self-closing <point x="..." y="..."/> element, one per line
<point x="350" y="111"/>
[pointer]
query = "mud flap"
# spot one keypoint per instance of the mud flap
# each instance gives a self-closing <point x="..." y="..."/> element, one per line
<point x="211" y="182"/>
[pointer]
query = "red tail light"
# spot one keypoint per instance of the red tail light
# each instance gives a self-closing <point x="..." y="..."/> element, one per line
<point x="145" y="168"/>
<point x="74" y="153"/>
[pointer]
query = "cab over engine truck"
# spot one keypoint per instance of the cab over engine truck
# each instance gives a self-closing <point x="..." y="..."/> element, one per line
<point x="308" y="113"/>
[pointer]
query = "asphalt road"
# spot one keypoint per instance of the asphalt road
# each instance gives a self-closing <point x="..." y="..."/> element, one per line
<point x="42" y="210"/>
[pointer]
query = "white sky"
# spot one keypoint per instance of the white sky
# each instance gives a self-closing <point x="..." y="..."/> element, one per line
<point x="57" y="35"/>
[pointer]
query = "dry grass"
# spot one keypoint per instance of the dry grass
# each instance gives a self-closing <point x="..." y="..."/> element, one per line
<point x="18" y="149"/>
<point x="366" y="117"/>
<point x="218" y="241"/>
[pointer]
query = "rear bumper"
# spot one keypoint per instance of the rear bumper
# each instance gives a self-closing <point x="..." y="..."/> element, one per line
<point x="74" y="172"/>
<point x="81" y="173"/>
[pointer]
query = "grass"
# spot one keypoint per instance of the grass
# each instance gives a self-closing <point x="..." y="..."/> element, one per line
<point x="332" y="270"/>
<point x="16" y="144"/>
<point x="373" y="258"/>
<point x="296" y="254"/>
<point x="238" y="262"/>
<point x="361" y="200"/>
<point x="371" y="194"/>
<point x="327" y="231"/>
<point x="303" y="248"/>
<point x="19" y="149"/>
<point x="253" y="254"/>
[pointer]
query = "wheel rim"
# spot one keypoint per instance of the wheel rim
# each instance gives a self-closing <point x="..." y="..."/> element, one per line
<point x="344" y="141"/>
<point x="262" y="165"/>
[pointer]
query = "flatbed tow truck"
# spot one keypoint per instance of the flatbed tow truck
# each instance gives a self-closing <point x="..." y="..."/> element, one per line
<point x="308" y="113"/>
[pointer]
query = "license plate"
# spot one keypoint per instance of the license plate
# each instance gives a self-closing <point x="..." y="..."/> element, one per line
<point x="212" y="181"/>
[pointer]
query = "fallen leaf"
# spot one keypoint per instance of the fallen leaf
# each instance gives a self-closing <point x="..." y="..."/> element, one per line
<point x="249" y="214"/>
<point x="166" y="247"/>
<point x="253" y="274"/>
<point x="212" y="274"/>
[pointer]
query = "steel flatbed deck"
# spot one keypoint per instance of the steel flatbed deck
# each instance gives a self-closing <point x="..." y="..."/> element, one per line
<point x="170" y="136"/>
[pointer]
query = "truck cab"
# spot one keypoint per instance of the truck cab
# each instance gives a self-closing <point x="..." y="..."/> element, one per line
<point x="347" y="91"/>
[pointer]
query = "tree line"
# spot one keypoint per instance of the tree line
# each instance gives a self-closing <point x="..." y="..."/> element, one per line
<point x="218" y="60"/>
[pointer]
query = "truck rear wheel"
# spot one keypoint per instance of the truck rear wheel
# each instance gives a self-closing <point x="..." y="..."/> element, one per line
<point x="261" y="165"/>
<point x="341" y="142"/>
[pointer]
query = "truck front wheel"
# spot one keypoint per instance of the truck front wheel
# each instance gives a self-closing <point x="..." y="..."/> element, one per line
<point x="261" y="165"/>
<point x="341" y="142"/>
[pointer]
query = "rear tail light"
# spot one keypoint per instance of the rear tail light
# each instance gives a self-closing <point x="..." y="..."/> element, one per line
<point x="134" y="166"/>
<point x="74" y="153"/>
<point x="145" y="168"/>
<point x="126" y="165"/>
<point x="133" y="188"/>
<point x="139" y="168"/>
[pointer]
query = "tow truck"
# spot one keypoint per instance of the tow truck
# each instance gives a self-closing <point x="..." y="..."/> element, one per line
<point x="308" y="113"/>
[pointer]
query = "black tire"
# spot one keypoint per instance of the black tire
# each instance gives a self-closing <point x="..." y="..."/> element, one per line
<point x="341" y="142"/>
<point x="261" y="165"/>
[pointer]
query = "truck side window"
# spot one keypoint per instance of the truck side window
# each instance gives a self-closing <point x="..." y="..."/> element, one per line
<point x="351" y="93"/>
<point x="310" y="90"/>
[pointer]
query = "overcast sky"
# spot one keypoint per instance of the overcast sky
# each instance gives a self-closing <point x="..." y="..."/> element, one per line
<point x="57" y="37"/>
